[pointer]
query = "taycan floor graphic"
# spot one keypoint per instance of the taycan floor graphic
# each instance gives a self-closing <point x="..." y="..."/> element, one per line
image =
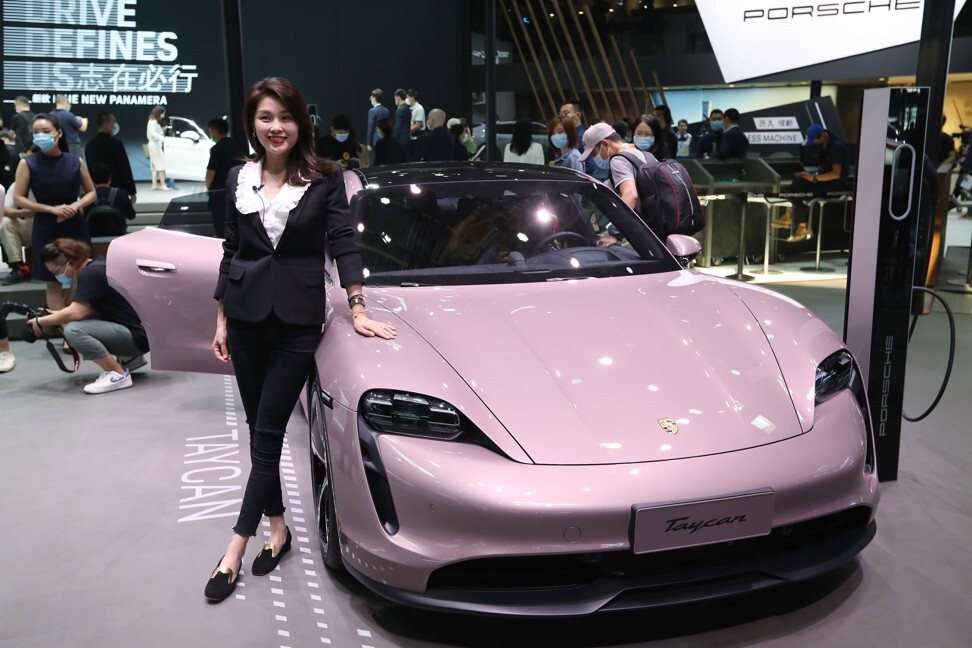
<point x="118" y="506"/>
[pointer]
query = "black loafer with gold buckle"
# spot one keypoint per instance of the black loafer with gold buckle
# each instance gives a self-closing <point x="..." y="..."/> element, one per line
<point x="222" y="582"/>
<point x="269" y="557"/>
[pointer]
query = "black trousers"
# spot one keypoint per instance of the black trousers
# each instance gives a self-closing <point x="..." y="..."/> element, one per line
<point x="801" y="213"/>
<point x="272" y="361"/>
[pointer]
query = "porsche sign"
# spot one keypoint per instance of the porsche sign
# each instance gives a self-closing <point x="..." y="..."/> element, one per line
<point x="753" y="38"/>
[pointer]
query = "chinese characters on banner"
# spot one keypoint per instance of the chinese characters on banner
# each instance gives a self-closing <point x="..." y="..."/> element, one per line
<point x="92" y="50"/>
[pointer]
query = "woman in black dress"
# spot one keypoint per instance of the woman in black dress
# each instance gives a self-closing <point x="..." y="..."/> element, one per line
<point x="283" y="211"/>
<point x="57" y="179"/>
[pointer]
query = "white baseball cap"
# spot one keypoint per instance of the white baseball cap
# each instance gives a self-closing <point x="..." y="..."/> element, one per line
<point x="593" y="135"/>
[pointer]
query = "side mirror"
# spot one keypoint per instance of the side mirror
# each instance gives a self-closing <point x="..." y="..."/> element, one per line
<point x="190" y="135"/>
<point x="684" y="248"/>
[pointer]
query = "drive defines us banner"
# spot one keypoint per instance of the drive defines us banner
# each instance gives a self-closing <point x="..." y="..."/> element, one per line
<point x="804" y="32"/>
<point x="121" y="56"/>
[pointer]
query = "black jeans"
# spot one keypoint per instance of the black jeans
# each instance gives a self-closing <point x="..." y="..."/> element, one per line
<point x="272" y="361"/>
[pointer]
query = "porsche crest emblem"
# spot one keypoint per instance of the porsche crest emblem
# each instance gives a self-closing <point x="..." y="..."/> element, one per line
<point x="669" y="425"/>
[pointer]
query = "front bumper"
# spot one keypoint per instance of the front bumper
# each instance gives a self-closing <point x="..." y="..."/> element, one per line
<point x="573" y="585"/>
<point x="480" y="533"/>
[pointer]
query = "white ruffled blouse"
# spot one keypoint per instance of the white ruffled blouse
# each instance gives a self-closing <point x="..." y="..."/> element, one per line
<point x="273" y="213"/>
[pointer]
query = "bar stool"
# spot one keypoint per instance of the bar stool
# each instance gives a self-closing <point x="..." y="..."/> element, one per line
<point x="820" y="203"/>
<point x="773" y="203"/>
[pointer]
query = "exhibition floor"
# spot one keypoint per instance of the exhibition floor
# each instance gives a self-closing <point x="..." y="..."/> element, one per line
<point x="119" y="507"/>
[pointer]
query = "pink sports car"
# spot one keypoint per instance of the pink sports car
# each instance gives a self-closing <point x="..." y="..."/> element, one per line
<point x="569" y="421"/>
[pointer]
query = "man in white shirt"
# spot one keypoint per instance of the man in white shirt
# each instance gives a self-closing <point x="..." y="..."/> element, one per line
<point x="418" y="114"/>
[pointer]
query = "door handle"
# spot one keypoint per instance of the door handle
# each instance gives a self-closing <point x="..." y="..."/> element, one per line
<point x="154" y="267"/>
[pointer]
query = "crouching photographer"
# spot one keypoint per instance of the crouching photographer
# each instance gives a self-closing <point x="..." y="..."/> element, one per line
<point x="98" y="322"/>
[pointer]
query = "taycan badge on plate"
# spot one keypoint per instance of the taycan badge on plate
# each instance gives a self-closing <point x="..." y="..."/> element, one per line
<point x="658" y="527"/>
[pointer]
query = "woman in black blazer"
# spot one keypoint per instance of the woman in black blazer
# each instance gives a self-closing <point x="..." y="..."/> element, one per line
<point x="284" y="209"/>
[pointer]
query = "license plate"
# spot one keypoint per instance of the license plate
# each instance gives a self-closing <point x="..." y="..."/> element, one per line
<point x="657" y="527"/>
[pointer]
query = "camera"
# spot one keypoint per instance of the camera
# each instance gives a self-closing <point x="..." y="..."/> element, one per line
<point x="30" y="312"/>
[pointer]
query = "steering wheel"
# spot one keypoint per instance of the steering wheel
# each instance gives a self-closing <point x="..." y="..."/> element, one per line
<point x="550" y="238"/>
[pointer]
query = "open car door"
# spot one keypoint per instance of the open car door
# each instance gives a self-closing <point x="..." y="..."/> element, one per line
<point x="168" y="274"/>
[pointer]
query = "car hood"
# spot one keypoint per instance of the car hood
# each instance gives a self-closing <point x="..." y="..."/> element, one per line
<point x="604" y="370"/>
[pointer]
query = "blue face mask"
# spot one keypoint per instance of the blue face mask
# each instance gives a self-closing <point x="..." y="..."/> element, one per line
<point x="115" y="129"/>
<point x="44" y="142"/>
<point x="559" y="140"/>
<point x="64" y="280"/>
<point x="602" y="163"/>
<point x="341" y="137"/>
<point x="644" y="143"/>
<point x="716" y="126"/>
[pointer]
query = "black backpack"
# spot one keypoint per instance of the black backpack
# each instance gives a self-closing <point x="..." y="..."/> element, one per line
<point x="105" y="219"/>
<point x="667" y="201"/>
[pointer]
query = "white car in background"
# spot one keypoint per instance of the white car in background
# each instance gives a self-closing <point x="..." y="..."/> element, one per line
<point x="186" y="150"/>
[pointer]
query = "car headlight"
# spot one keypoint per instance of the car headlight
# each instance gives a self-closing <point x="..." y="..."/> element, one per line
<point x="411" y="414"/>
<point x="834" y="375"/>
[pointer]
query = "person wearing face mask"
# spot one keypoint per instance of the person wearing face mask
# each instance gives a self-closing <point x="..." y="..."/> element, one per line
<point x="57" y="179"/>
<point x="97" y="321"/>
<point x="340" y="144"/>
<point x="734" y="142"/>
<point x="105" y="148"/>
<point x="711" y="139"/>
<point x="683" y="140"/>
<point x="602" y="144"/>
<point x="646" y="138"/>
<point x="563" y="138"/>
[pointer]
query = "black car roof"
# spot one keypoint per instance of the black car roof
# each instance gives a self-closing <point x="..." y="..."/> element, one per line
<point x="430" y="172"/>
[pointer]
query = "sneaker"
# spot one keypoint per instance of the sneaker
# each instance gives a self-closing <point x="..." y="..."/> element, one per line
<point x="109" y="381"/>
<point x="17" y="274"/>
<point x="131" y="363"/>
<point x="7" y="361"/>
<point x="801" y="233"/>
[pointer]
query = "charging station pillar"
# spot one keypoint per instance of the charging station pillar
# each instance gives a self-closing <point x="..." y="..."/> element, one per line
<point x="883" y="252"/>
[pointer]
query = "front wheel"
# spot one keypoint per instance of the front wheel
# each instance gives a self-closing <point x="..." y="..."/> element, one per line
<point x="327" y="531"/>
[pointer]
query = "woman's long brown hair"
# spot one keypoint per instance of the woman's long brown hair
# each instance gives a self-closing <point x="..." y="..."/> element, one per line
<point x="303" y="165"/>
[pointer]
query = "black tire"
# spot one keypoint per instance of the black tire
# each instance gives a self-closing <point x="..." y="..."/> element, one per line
<point x="324" y="515"/>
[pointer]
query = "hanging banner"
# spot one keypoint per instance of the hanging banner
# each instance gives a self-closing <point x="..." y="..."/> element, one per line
<point x="123" y="57"/>
<point x="91" y="50"/>
<point x="753" y="38"/>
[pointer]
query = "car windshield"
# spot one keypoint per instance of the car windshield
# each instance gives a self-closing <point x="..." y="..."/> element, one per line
<point x="489" y="232"/>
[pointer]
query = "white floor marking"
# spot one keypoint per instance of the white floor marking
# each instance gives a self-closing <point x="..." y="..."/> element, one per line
<point x="363" y="633"/>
